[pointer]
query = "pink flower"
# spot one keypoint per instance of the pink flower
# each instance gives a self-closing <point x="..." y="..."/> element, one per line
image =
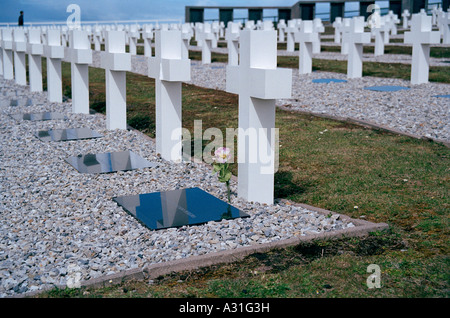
<point x="222" y="155"/>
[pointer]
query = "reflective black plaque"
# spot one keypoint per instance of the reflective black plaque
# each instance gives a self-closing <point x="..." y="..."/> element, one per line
<point x="67" y="134"/>
<point x="160" y="210"/>
<point x="39" y="116"/>
<point x="109" y="162"/>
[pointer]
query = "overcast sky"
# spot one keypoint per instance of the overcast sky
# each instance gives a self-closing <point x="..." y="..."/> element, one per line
<point x="92" y="10"/>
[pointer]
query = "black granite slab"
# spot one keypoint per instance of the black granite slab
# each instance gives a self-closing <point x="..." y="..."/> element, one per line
<point x="67" y="134"/>
<point x="192" y="206"/>
<point x="109" y="162"/>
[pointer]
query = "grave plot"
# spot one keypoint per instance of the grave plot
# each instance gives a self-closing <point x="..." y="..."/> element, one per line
<point x="109" y="162"/>
<point x="176" y="208"/>
<point x="67" y="134"/>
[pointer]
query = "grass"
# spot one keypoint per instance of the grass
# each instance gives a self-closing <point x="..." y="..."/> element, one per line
<point x="390" y="178"/>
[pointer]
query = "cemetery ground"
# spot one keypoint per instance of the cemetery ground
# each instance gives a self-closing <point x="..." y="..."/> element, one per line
<point x="364" y="173"/>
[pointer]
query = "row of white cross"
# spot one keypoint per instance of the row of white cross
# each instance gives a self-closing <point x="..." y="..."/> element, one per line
<point x="252" y="73"/>
<point x="258" y="60"/>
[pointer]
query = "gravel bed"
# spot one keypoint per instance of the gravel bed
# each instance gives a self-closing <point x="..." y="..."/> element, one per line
<point x="57" y="225"/>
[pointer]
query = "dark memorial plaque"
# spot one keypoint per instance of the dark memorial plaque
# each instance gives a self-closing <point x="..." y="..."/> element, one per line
<point x="386" y="88"/>
<point x="38" y="116"/>
<point x="109" y="162"/>
<point x="193" y="206"/>
<point x="67" y="134"/>
<point x="328" y="80"/>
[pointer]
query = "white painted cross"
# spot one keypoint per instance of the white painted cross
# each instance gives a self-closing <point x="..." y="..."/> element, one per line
<point x="281" y="30"/>
<point x="169" y="69"/>
<point x="444" y="22"/>
<point x="147" y="35"/>
<point x="19" y="48"/>
<point x="434" y="14"/>
<point x="319" y="28"/>
<point x="356" y="38"/>
<point x="421" y="37"/>
<point x="337" y="24"/>
<point x="307" y="36"/>
<point x="7" y="46"/>
<point x="405" y="16"/>
<point x="392" y="20"/>
<point x="380" y="31"/>
<point x="290" y="35"/>
<point x="345" y="35"/>
<point x="232" y="37"/>
<point x="80" y="58"/>
<point x="186" y="36"/>
<point x="97" y="35"/>
<point x="54" y="53"/>
<point x="35" y="50"/>
<point x="133" y="36"/>
<point x="207" y="38"/>
<point x="116" y="64"/>
<point x="259" y="83"/>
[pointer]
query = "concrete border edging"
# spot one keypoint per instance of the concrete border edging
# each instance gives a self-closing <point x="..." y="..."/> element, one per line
<point x="155" y="270"/>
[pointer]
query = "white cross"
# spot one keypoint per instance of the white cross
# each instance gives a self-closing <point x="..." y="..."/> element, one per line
<point x="186" y="36"/>
<point x="147" y="35"/>
<point x="444" y="22"/>
<point x="35" y="51"/>
<point x="319" y="28"/>
<point x="133" y="36"/>
<point x="54" y="53"/>
<point x="259" y="83"/>
<point x="80" y="58"/>
<point x="281" y="30"/>
<point x="356" y="38"/>
<point x="421" y="37"/>
<point x="19" y="48"/>
<point x="405" y="16"/>
<point x="380" y="31"/>
<point x="116" y="64"/>
<point x="290" y="34"/>
<point x="169" y="70"/>
<point x="337" y="24"/>
<point x="392" y="20"/>
<point x="206" y="37"/>
<point x="97" y="35"/>
<point x="307" y="36"/>
<point x="345" y="34"/>
<point x="232" y="37"/>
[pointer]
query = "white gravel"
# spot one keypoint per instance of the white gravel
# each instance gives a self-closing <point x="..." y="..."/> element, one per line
<point x="55" y="222"/>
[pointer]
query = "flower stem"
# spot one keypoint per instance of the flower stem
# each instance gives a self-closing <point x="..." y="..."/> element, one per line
<point x="229" y="191"/>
